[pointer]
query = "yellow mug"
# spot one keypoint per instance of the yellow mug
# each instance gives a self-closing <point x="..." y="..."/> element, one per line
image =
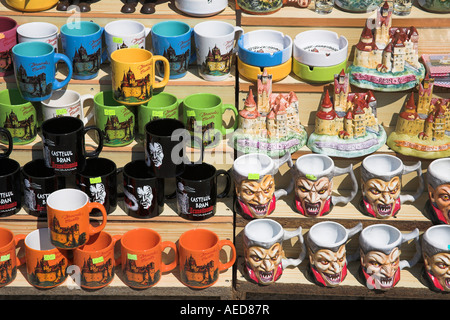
<point x="133" y="75"/>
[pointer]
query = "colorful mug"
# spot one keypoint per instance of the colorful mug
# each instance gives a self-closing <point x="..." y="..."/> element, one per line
<point x="121" y="34"/>
<point x="10" y="186"/>
<point x="133" y="75"/>
<point x="8" y="258"/>
<point x="38" y="31"/>
<point x="438" y="183"/>
<point x="141" y="257"/>
<point x="35" y="69"/>
<point x="263" y="250"/>
<point x="254" y="182"/>
<point x="8" y="34"/>
<point x="68" y="212"/>
<point x="313" y="184"/>
<point x="18" y="116"/>
<point x="199" y="257"/>
<point x="381" y="185"/>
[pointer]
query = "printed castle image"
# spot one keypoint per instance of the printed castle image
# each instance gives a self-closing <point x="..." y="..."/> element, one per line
<point x="203" y="274"/>
<point x="69" y="237"/>
<point x="34" y="86"/>
<point x="178" y="63"/>
<point x="21" y="130"/>
<point x="45" y="274"/>
<point x="96" y="274"/>
<point x="132" y="89"/>
<point x="115" y="130"/>
<point x="84" y="63"/>
<point x="141" y="276"/>
<point x="217" y="62"/>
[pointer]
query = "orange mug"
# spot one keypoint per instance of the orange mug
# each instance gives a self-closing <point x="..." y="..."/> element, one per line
<point x="8" y="259"/>
<point x="198" y="253"/>
<point x="46" y="264"/>
<point x="96" y="260"/>
<point x="141" y="254"/>
<point x="68" y="218"/>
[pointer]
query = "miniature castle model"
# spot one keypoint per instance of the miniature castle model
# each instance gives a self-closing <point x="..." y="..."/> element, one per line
<point x="385" y="48"/>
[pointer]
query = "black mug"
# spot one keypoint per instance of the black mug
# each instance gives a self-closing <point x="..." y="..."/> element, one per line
<point x="8" y="136"/>
<point x="197" y="191"/>
<point x="98" y="180"/>
<point x="143" y="191"/>
<point x="10" y="187"/>
<point x="165" y="147"/>
<point x="39" y="182"/>
<point x="64" y="144"/>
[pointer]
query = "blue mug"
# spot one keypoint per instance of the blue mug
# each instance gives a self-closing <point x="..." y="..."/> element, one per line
<point x="172" y="40"/>
<point x="82" y="43"/>
<point x="35" y="69"/>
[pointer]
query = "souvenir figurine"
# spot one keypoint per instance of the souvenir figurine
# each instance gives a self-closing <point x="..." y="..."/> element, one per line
<point x="346" y="126"/>
<point x="84" y="6"/>
<point x="423" y="129"/>
<point x="148" y="6"/>
<point x="386" y="57"/>
<point x="270" y="124"/>
<point x="437" y="207"/>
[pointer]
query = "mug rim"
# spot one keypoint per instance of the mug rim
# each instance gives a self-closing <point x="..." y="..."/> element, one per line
<point x="326" y="171"/>
<point x="39" y="230"/>
<point x="47" y="101"/>
<point x="33" y="43"/>
<point x="57" y="193"/>
<point x="22" y="26"/>
<point x="10" y="233"/>
<point x="11" y="20"/>
<point x="196" y="165"/>
<point x="180" y="125"/>
<point x="109" y="24"/>
<point x="426" y="237"/>
<point x="431" y="168"/>
<point x="319" y="242"/>
<point x="201" y="24"/>
<point x="195" y="95"/>
<point x="13" y="162"/>
<point x="374" y="245"/>
<point x="29" y="163"/>
<point x="167" y="94"/>
<point x="136" y="230"/>
<point x="184" y="24"/>
<point x="390" y="174"/>
<point x="8" y="92"/>
<point x="110" y="243"/>
<point x="99" y="159"/>
<point x="48" y="122"/>
<point x="273" y="239"/>
<point x="126" y="52"/>
<point x="187" y="234"/>
<point x="65" y="26"/>
<point x="132" y="163"/>
<point x="264" y="172"/>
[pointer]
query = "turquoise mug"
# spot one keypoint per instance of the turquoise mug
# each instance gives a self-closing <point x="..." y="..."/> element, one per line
<point x="35" y="70"/>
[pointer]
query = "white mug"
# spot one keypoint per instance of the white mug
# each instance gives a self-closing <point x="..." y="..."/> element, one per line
<point x="66" y="103"/>
<point x="201" y="8"/>
<point x="38" y="31"/>
<point x="125" y="34"/>
<point x="215" y="43"/>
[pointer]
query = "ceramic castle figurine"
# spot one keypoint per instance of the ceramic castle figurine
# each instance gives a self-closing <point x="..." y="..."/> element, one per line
<point x="347" y="125"/>
<point x="422" y="128"/>
<point x="270" y="124"/>
<point x="386" y="57"/>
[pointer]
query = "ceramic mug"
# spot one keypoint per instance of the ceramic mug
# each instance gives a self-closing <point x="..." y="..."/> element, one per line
<point x="98" y="180"/>
<point x="253" y="176"/>
<point x="142" y="260"/>
<point x="6" y="138"/>
<point x="64" y="144"/>
<point x="116" y="121"/>
<point x="436" y="257"/>
<point x="8" y="28"/>
<point x="46" y="264"/>
<point x="438" y="186"/>
<point x="35" y="69"/>
<point x="18" y="116"/>
<point x="143" y="192"/>
<point x="83" y="46"/>
<point x="9" y="262"/>
<point x="10" y="187"/>
<point x="326" y="242"/>
<point x="68" y="213"/>
<point x="172" y="40"/>
<point x="381" y="185"/>
<point x="66" y="103"/>
<point x="122" y="34"/>
<point x="216" y="44"/>
<point x="38" y="31"/>
<point x="263" y="250"/>
<point x="199" y="257"/>
<point x="201" y="8"/>
<point x="133" y="75"/>
<point x="202" y="115"/>
<point x="163" y="105"/>
<point x="197" y="191"/>
<point x="380" y="255"/>
<point x="313" y="184"/>
<point x="96" y="261"/>
<point x="39" y="182"/>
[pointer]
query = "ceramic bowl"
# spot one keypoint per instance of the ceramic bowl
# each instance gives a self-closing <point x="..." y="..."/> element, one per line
<point x="317" y="74"/>
<point x="442" y="6"/>
<point x="32" y="5"/>
<point x="264" y="48"/>
<point x="358" y="5"/>
<point x="278" y="72"/>
<point x="201" y="8"/>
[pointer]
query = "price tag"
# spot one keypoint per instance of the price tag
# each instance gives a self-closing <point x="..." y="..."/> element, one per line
<point x="253" y="176"/>
<point x="109" y="112"/>
<point x="60" y="112"/>
<point x="95" y="180"/>
<point x="97" y="260"/>
<point x="190" y="113"/>
<point x="311" y="177"/>
<point x="5" y="257"/>
<point x="158" y="114"/>
<point x="48" y="257"/>
<point x="131" y="256"/>
<point x="117" y="40"/>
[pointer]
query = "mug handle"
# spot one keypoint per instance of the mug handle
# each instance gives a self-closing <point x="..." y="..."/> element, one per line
<point x="238" y="32"/>
<point x="342" y="199"/>
<point x="351" y="232"/>
<point x="17" y="239"/>
<point x="97" y="151"/>
<point x="225" y="266"/>
<point x="61" y="57"/>
<point x="10" y="142"/>
<point x="406" y="237"/>
<point x="236" y="120"/>
<point x="228" y="185"/>
<point x="278" y="163"/>
<point x="99" y="206"/>
<point x="286" y="262"/>
<point x="83" y="98"/>
<point x="165" y="80"/>
<point x="413" y="197"/>
<point x="173" y="264"/>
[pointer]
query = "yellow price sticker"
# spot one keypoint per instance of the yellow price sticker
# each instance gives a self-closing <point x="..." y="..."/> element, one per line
<point x="190" y="113"/>
<point x="253" y="176"/>
<point x="95" y="180"/>
<point x="48" y="257"/>
<point x="5" y="257"/>
<point x="117" y="40"/>
<point x="97" y="260"/>
<point x="60" y="112"/>
<point x="109" y="112"/>
<point x="131" y="256"/>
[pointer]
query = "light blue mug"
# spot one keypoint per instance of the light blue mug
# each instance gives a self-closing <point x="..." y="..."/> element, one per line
<point x="35" y="69"/>
<point x="82" y="43"/>
<point x="173" y="40"/>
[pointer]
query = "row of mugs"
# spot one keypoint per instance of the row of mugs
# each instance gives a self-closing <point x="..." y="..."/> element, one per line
<point x="197" y="253"/>
<point x="379" y="253"/>
<point x="119" y="123"/>
<point x="312" y="182"/>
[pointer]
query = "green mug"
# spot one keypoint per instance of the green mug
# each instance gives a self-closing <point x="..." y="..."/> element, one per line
<point x="202" y="115"/>
<point x="161" y="105"/>
<point x="18" y="116"/>
<point x="115" y="120"/>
